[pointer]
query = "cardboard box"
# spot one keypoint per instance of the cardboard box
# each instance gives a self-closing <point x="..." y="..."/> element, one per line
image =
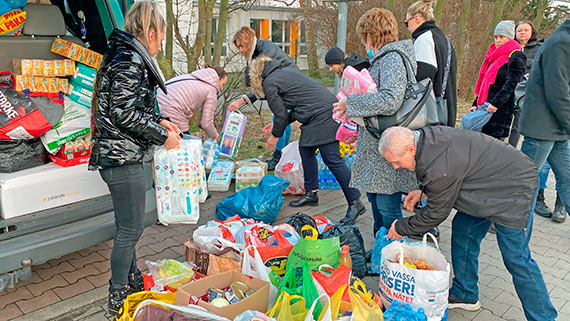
<point x="47" y="186"/>
<point x="76" y="52"/>
<point x="44" y="68"/>
<point x="80" y="98"/>
<point x="41" y="84"/>
<point x="84" y="76"/>
<point x="256" y="301"/>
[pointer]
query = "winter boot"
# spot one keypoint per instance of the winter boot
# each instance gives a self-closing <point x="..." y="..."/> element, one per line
<point x="559" y="214"/>
<point x="272" y="162"/>
<point x="310" y="198"/>
<point x="541" y="209"/>
<point x="354" y="210"/>
<point x="117" y="298"/>
<point x="136" y="282"/>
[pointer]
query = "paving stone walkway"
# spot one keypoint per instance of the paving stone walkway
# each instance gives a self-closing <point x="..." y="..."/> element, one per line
<point x="74" y="287"/>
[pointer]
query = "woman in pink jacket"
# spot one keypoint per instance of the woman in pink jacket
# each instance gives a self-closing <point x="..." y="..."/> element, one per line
<point x="187" y="93"/>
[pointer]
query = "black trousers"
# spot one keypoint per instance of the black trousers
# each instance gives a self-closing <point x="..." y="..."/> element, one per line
<point x="331" y="158"/>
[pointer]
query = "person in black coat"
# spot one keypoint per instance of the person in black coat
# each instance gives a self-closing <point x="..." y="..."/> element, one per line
<point x="294" y="96"/>
<point x="125" y="125"/>
<point x="251" y="48"/>
<point x="501" y="71"/>
<point x="336" y="61"/>
<point x="488" y="182"/>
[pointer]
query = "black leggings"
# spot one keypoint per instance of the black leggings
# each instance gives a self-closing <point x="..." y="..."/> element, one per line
<point x="331" y="157"/>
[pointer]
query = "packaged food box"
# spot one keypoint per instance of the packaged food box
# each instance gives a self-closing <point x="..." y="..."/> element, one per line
<point x="84" y="76"/>
<point x="252" y="162"/>
<point x="80" y="98"/>
<point x="44" y="68"/>
<point x="41" y="84"/>
<point x="221" y="176"/>
<point x="248" y="176"/>
<point x="232" y="134"/>
<point x="76" y="52"/>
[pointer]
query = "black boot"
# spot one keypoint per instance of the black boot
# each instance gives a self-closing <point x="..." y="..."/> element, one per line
<point x="541" y="209"/>
<point x="354" y="210"/>
<point x="136" y="282"/>
<point x="310" y="198"/>
<point x="559" y="214"/>
<point x="117" y="298"/>
<point x="272" y="162"/>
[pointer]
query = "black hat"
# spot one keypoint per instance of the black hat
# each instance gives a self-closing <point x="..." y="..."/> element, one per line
<point x="335" y="56"/>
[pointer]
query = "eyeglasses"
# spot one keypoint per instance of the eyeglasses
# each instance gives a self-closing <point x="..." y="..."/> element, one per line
<point x="408" y="20"/>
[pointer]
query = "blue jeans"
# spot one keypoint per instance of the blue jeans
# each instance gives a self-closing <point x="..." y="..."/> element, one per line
<point x="283" y="140"/>
<point x="466" y="236"/>
<point x="385" y="209"/>
<point x="543" y="175"/>
<point x="128" y="193"/>
<point x="558" y="156"/>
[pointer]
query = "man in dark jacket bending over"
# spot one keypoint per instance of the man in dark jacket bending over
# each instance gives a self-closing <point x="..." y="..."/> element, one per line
<point x="486" y="181"/>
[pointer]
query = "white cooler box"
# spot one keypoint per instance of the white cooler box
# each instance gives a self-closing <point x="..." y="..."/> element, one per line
<point x="47" y="186"/>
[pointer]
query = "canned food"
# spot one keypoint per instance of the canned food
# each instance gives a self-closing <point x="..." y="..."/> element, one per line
<point x="249" y="292"/>
<point x="231" y="297"/>
<point x="215" y="293"/>
<point x="220" y="302"/>
<point x="239" y="289"/>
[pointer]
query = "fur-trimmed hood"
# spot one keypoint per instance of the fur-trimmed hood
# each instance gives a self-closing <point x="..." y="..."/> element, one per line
<point x="259" y="69"/>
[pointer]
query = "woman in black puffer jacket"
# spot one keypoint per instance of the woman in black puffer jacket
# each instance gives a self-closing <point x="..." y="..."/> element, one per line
<point x="125" y="124"/>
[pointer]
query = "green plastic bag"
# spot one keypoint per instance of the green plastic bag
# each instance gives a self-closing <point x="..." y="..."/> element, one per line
<point x="299" y="281"/>
<point x="315" y="252"/>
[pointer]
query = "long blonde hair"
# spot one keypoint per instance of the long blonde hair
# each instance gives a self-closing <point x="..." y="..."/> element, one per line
<point x="424" y="8"/>
<point x="143" y="17"/>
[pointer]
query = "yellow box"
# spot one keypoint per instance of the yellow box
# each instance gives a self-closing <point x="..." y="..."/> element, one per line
<point x="76" y="52"/>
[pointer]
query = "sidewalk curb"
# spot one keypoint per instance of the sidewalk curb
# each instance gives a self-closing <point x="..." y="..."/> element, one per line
<point x="57" y="310"/>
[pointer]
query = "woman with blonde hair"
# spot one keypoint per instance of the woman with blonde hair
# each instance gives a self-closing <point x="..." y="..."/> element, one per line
<point x="371" y="173"/>
<point x="124" y="126"/>
<point x="434" y="54"/>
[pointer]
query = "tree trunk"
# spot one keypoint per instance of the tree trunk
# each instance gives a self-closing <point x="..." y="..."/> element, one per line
<point x="221" y="35"/>
<point x="169" y="31"/>
<point x="438" y="10"/>
<point x="208" y="32"/>
<point x="461" y="37"/>
<point x="541" y="8"/>
<point x="497" y="14"/>
<point x="165" y="66"/>
<point x="312" y="58"/>
<point x="200" y="36"/>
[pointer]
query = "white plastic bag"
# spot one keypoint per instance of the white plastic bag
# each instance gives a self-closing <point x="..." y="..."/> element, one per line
<point x="179" y="182"/>
<point x="76" y="122"/>
<point x="325" y="301"/>
<point x="210" y="240"/>
<point x="254" y="267"/>
<point x="290" y="167"/>
<point x="191" y="311"/>
<point x="422" y="288"/>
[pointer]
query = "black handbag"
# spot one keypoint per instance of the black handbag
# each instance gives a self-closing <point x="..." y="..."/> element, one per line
<point x="419" y="108"/>
<point x="440" y="100"/>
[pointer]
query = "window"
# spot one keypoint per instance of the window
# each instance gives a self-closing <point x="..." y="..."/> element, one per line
<point x="255" y="24"/>
<point x="281" y="35"/>
<point x="302" y="40"/>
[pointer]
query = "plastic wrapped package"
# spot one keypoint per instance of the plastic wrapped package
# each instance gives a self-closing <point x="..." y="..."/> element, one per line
<point x="171" y="273"/>
<point x="178" y="181"/>
<point x="221" y="176"/>
<point x="252" y="162"/>
<point x="290" y="168"/>
<point x="76" y="122"/>
<point x="248" y="176"/>
<point x="210" y="153"/>
<point x="232" y="134"/>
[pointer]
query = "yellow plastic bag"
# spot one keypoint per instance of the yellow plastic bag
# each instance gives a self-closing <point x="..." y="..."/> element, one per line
<point x="133" y="301"/>
<point x="364" y="308"/>
<point x="336" y="300"/>
<point x="289" y="308"/>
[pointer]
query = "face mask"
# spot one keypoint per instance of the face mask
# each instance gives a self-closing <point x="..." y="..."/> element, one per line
<point x="370" y="53"/>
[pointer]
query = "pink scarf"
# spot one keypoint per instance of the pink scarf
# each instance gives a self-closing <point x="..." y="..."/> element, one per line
<point x="495" y="58"/>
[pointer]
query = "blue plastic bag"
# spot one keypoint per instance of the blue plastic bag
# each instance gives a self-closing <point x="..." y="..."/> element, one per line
<point x="475" y="120"/>
<point x="7" y="5"/>
<point x="399" y="311"/>
<point x="261" y="203"/>
<point x="381" y="241"/>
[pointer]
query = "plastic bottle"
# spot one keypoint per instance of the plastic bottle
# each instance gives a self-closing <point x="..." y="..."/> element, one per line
<point x="345" y="258"/>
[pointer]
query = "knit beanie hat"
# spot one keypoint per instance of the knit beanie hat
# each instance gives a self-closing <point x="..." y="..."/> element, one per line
<point x="335" y="56"/>
<point x="506" y="28"/>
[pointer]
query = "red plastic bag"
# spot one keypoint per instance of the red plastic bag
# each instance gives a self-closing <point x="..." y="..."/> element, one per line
<point x="28" y="117"/>
<point x="333" y="279"/>
<point x="275" y="251"/>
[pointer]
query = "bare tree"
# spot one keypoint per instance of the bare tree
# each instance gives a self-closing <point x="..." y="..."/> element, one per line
<point x="542" y="5"/>
<point x="312" y="58"/>
<point x="460" y="47"/>
<point x="221" y="32"/>
<point x="438" y="10"/>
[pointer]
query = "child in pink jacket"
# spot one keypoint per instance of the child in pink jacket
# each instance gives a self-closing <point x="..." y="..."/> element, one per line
<point x="187" y="93"/>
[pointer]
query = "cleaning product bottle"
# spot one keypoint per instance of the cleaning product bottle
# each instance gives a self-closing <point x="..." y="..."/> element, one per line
<point x="345" y="258"/>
